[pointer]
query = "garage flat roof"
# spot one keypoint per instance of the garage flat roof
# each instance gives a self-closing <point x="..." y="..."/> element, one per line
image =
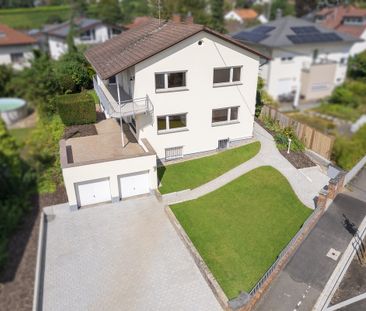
<point x="105" y="146"/>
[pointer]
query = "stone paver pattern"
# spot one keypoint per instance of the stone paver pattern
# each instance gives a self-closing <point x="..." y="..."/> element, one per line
<point x="305" y="183"/>
<point x="122" y="256"/>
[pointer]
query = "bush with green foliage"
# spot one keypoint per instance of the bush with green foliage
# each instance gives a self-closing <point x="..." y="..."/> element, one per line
<point x="75" y="109"/>
<point x="16" y="180"/>
<point x="263" y="98"/>
<point x="347" y="151"/>
<point x="357" y="67"/>
<point x="6" y="73"/>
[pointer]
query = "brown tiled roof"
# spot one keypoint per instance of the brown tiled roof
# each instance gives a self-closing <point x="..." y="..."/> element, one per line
<point x="333" y="19"/>
<point x="246" y="13"/>
<point x="10" y="36"/>
<point x="142" y="42"/>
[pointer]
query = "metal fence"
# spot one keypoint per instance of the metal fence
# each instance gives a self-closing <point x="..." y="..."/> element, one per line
<point x="314" y="140"/>
<point x="291" y="245"/>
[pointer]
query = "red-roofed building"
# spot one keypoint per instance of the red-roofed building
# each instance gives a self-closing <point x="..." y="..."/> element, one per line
<point x="347" y="19"/>
<point x="16" y="48"/>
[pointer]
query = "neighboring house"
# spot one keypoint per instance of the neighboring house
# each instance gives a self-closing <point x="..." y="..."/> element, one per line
<point x="307" y="59"/>
<point x="183" y="89"/>
<point x="16" y="48"/>
<point x="347" y="19"/>
<point x="241" y="15"/>
<point x="87" y="31"/>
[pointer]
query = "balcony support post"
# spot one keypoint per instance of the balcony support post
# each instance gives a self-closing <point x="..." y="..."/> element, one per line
<point x="120" y="112"/>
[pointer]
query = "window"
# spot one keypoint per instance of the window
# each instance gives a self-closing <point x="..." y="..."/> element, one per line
<point x="112" y="80"/>
<point x="88" y="35"/>
<point x="287" y="59"/>
<point x="355" y="20"/>
<point x="226" y="75"/>
<point x="315" y="55"/>
<point x="17" y="57"/>
<point x="172" y="122"/>
<point x="225" y="115"/>
<point x="343" y="61"/>
<point x="112" y="32"/>
<point x="170" y="80"/>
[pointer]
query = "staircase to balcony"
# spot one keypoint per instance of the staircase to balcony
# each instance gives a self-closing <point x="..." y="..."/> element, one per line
<point x="128" y="106"/>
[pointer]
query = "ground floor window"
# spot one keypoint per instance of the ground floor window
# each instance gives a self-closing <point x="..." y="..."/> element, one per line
<point x="17" y="57"/>
<point x="225" y="115"/>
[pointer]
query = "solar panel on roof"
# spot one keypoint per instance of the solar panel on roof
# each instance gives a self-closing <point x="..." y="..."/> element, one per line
<point x="263" y="29"/>
<point x="305" y="30"/>
<point x="250" y="36"/>
<point x="314" y="38"/>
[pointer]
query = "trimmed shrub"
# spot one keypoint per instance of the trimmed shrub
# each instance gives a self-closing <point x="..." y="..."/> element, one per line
<point x="76" y="109"/>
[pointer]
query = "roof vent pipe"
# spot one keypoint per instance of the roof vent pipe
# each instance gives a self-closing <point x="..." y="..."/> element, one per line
<point x="278" y="13"/>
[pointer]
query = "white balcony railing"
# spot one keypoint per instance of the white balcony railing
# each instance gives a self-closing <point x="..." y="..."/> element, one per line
<point x="127" y="107"/>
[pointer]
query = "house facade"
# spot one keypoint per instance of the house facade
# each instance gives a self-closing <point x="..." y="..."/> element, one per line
<point x="16" y="48"/>
<point x="183" y="89"/>
<point x="308" y="60"/>
<point x="87" y="32"/>
<point x="347" y="19"/>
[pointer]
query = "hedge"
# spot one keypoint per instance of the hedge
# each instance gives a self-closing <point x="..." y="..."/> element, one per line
<point x="75" y="109"/>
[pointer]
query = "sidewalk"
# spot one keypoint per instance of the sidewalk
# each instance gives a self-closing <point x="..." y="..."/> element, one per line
<point x="300" y="284"/>
<point x="306" y="188"/>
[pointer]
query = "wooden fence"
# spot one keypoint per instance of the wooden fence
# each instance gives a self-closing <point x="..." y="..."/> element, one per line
<point x="314" y="140"/>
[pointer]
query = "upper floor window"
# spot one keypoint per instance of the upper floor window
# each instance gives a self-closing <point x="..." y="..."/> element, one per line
<point x="170" y="80"/>
<point x="17" y="57"/>
<point x="287" y="59"/>
<point x="88" y="35"/>
<point x="227" y="75"/>
<point x="353" y="20"/>
<point x="172" y="122"/>
<point x="225" y="115"/>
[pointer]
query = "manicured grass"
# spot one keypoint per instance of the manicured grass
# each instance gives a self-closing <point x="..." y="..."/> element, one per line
<point x="241" y="228"/>
<point x="193" y="173"/>
<point x="29" y="18"/>
<point x="21" y="134"/>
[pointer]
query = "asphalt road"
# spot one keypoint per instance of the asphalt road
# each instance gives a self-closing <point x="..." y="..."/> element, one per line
<point x="299" y="285"/>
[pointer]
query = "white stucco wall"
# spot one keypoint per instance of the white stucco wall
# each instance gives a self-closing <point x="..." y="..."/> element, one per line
<point x="302" y="56"/>
<point x="57" y="47"/>
<point x="6" y="51"/>
<point x="200" y="97"/>
<point x="359" y="47"/>
<point x="111" y="170"/>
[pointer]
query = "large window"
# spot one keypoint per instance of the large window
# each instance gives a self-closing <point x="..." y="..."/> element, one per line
<point x="17" y="57"/>
<point x="112" y="32"/>
<point x="170" y="80"/>
<point x="227" y="75"/>
<point x="225" y="115"/>
<point x="88" y="35"/>
<point x="172" y="122"/>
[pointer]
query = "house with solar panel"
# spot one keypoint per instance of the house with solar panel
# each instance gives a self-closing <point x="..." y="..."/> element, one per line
<point x="87" y="31"/>
<point x="169" y="90"/>
<point x="307" y="60"/>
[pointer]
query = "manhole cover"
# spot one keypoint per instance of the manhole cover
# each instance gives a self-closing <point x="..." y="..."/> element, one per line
<point x="333" y="254"/>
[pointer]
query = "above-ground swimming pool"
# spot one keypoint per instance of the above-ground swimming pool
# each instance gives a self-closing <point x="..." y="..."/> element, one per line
<point x="12" y="109"/>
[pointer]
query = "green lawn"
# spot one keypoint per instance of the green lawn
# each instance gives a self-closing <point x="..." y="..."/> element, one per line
<point x="193" y="173"/>
<point x="29" y="18"/>
<point x="318" y="123"/>
<point x="241" y="228"/>
<point x="21" y="134"/>
<point x="340" y="111"/>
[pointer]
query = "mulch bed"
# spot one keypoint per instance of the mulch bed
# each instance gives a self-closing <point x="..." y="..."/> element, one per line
<point x="80" y="131"/>
<point x="17" y="277"/>
<point x="297" y="159"/>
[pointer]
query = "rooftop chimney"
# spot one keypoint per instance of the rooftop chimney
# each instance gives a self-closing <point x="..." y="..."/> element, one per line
<point x="189" y="18"/>
<point x="278" y="13"/>
<point x="176" y="18"/>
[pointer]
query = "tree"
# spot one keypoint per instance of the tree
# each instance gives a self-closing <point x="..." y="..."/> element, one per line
<point x="284" y="6"/>
<point x="217" y="15"/>
<point x="303" y="7"/>
<point x="357" y="67"/>
<point x="6" y="74"/>
<point x="134" y="8"/>
<point x="109" y="11"/>
<point x="79" y="7"/>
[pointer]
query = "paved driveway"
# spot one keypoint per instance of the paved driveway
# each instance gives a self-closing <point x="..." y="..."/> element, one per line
<point x="124" y="256"/>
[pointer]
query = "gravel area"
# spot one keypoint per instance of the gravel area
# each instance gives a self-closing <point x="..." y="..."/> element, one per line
<point x="80" y="131"/>
<point x="17" y="277"/>
<point x="353" y="283"/>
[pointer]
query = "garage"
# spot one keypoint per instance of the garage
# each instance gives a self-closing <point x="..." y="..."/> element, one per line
<point x="284" y="86"/>
<point x="134" y="184"/>
<point x="93" y="192"/>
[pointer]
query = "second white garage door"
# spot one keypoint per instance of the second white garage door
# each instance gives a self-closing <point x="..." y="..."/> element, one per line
<point x="94" y="191"/>
<point x="134" y="184"/>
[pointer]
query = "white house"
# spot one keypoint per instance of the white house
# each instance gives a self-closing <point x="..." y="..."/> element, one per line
<point x="87" y="32"/>
<point x="241" y="15"/>
<point x="183" y="89"/>
<point x="347" y="19"/>
<point x="308" y="60"/>
<point x="16" y="48"/>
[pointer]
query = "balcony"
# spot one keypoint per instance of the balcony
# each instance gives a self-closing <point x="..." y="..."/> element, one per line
<point x="128" y="106"/>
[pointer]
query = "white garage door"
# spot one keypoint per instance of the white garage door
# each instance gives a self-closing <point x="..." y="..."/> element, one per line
<point x="95" y="191"/>
<point x="284" y="86"/>
<point x="134" y="184"/>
